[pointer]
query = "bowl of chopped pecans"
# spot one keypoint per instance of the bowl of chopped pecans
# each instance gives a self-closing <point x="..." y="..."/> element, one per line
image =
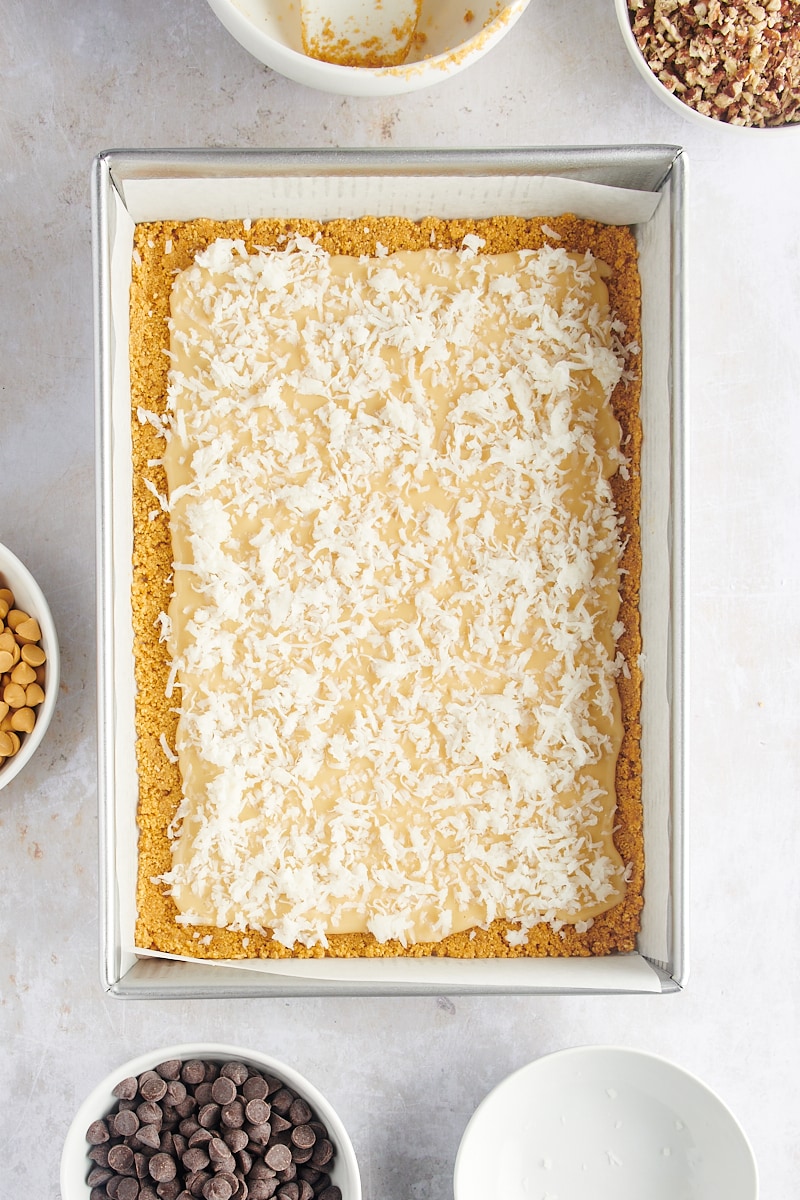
<point x="29" y="666"/>
<point x="736" y="64"/>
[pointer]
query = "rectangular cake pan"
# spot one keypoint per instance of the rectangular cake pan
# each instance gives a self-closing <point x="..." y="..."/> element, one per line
<point x="643" y="186"/>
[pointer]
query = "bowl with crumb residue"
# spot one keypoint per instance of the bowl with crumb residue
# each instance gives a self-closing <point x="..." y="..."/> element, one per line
<point x="449" y="36"/>
<point x="29" y="666"/>
<point x="734" y="71"/>
<point x="605" y="1121"/>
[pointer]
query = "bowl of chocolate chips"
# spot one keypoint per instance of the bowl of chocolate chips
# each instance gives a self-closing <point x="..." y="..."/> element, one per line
<point x="207" y="1122"/>
<point x="734" y="63"/>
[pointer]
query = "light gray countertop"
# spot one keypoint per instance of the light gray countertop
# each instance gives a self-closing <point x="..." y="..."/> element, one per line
<point x="405" y="1074"/>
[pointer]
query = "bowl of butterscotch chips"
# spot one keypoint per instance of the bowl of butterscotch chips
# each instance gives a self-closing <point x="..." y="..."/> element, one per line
<point x="29" y="665"/>
<point x="734" y="63"/>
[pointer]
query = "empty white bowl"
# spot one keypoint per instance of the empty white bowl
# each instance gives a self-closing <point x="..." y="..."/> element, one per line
<point x="29" y="596"/>
<point x="671" y="100"/>
<point x="605" y="1122"/>
<point x="75" y="1164"/>
<point x="453" y="40"/>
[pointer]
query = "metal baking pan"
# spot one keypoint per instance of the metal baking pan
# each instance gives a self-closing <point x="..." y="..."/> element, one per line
<point x="644" y="186"/>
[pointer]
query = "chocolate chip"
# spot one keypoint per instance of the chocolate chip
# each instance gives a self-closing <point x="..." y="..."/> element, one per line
<point x="261" y="1170"/>
<point x="259" y="1135"/>
<point x="255" y="1088"/>
<point x="195" y="1182"/>
<point x="171" y="1069"/>
<point x="236" y="1071"/>
<point x="300" y="1113"/>
<point x="278" y="1157"/>
<point x="218" y="1149"/>
<point x="126" y="1124"/>
<point x="176" y="1091"/>
<point x="223" y="1090"/>
<point x="195" y="1159"/>
<point x="193" y="1072"/>
<point x="330" y="1193"/>
<point x="167" y="1144"/>
<point x="306" y="1190"/>
<point x="257" y="1111"/>
<point x="262" y="1189"/>
<point x="185" y="1108"/>
<point x="289" y="1191"/>
<point x="217" y="1189"/>
<point x="303" y="1136"/>
<point x="126" y="1089"/>
<point x="152" y="1086"/>
<point x="282" y="1101"/>
<point x="162" y="1167"/>
<point x="120" y="1158"/>
<point x="230" y="1178"/>
<point x="236" y="1139"/>
<point x="97" y="1133"/>
<point x="149" y="1113"/>
<point x="279" y="1123"/>
<point x="149" y="1135"/>
<point x="99" y="1176"/>
<point x="209" y="1116"/>
<point x="169" y="1190"/>
<point x="322" y="1154"/>
<point x="232" y="1115"/>
<point x="128" y="1189"/>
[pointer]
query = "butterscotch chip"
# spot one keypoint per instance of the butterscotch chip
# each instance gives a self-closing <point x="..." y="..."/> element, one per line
<point x="28" y="630"/>
<point x="14" y="695"/>
<point x="33" y="655"/>
<point x="23" y="674"/>
<point x="23" y="720"/>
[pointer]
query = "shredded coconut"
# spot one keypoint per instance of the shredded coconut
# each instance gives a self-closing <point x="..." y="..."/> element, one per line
<point x="399" y="547"/>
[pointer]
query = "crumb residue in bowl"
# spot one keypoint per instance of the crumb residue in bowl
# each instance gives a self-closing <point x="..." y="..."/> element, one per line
<point x="380" y="36"/>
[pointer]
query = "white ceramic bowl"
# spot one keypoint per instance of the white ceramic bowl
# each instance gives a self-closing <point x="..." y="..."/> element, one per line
<point x="29" y="596"/>
<point x="672" y="101"/>
<point x="270" y="30"/>
<point x="75" y="1164"/>
<point x="605" y="1122"/>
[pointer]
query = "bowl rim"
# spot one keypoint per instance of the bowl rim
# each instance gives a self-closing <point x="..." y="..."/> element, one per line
<point x="658" y="1062"/>
<point x="12" y="567"/>
<point x="670" y="99"/>
<point x="335" y="77"/>
<point x="75" y="1147"/>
